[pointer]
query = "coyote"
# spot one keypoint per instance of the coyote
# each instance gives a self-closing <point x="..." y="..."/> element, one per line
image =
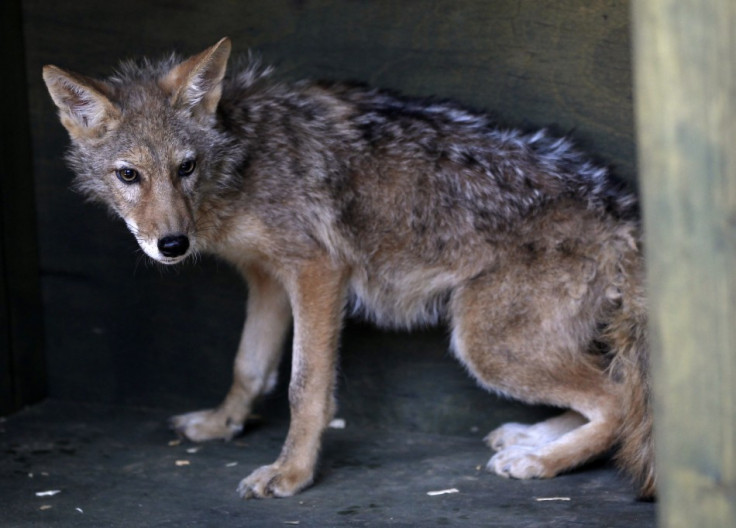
<point x="334" y="198"/>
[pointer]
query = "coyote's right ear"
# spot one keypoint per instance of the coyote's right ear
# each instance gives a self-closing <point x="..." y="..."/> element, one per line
<point x="84" y="110"/>
<point x="196" y="83"/>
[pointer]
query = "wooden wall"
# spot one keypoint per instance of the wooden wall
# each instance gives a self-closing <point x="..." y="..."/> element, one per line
<point x="119" y="329"/>
<point x="686" y="107"/>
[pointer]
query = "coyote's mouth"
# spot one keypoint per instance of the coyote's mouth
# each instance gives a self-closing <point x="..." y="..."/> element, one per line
<point x="170" y="261"/>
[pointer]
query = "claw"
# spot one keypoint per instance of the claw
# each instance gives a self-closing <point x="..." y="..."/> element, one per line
<point x="273" y="481"/>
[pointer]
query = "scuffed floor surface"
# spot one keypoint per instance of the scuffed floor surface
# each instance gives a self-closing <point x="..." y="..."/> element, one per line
<point x="119" y="466"/>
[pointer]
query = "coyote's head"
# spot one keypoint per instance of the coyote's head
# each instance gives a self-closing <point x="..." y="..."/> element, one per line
<point x="145" y="143"/>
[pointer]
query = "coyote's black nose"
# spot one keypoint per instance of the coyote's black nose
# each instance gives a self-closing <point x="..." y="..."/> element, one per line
<point x="173" y="245"/>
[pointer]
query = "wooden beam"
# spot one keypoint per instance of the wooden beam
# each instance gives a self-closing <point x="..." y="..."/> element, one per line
<point x="685" y="87"/>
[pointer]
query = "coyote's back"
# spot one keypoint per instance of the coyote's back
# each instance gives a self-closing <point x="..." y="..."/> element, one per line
<point x="407" y="211"/>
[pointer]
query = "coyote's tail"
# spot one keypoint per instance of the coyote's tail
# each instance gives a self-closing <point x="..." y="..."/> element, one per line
<point x="627" y="334"/>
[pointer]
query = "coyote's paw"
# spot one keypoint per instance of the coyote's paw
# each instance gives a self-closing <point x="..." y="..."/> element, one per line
<point x="274" y="481"/>
<point x="518" y="462"/>
<point x="512" y="434"/>
<point x="201" y="426"/>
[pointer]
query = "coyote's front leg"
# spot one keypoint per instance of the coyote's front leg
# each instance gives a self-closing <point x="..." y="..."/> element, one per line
<point x="317" y="297"/>
<point x="268" y="317"/>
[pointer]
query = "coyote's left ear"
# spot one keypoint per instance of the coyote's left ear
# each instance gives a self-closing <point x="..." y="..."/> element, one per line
<point x="196" y="83"/>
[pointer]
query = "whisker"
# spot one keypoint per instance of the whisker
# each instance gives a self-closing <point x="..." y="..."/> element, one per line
<point x="140" y="257"/>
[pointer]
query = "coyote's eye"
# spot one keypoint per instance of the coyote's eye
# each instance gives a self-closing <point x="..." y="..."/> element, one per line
<point x="187" y="167"/>
<point x="128" y="175"/>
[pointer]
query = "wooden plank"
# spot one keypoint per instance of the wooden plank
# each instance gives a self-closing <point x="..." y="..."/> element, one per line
<point x="21" y="355"/>
<point x="686" y="102"/>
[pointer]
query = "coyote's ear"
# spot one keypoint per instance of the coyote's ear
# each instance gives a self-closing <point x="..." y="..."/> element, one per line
<point x="196" y="83"/>
<point x="84" y="110"/>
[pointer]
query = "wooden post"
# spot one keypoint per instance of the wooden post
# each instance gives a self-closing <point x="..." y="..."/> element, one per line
<point x="685" y="88"/>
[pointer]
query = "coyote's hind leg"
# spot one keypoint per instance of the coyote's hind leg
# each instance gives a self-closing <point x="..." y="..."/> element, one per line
<point x="522" y="334"/>
<point x="556" y="455"/>
<point x="534" y="435"/>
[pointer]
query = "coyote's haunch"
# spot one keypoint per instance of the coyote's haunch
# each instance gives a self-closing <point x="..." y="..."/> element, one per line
<point x="330" y="197"/>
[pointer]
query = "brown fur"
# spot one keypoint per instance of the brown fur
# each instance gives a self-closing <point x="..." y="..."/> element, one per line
<point x="330" y="196"/>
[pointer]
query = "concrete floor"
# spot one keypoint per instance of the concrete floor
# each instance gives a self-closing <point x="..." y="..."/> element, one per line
<point x="120" y="466"/>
